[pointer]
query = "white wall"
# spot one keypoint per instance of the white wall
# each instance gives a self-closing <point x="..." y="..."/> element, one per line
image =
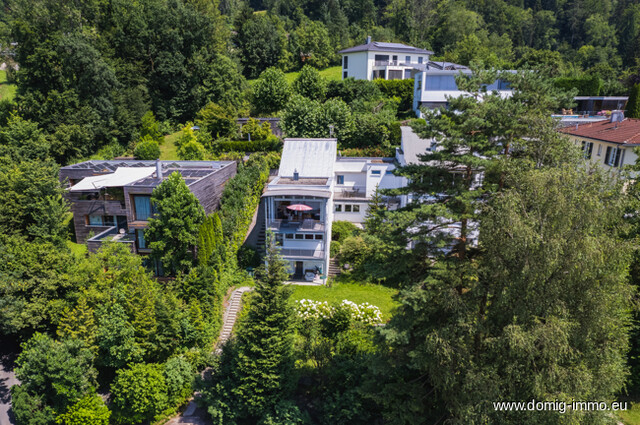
<point x="358" y="66"/>
<point x="353" y="217"/>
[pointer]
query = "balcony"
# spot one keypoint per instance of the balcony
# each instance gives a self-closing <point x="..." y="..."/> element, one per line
<point x="351" y="192"/>
<point x="302" y="253"/>
<point x="307" y="225"/>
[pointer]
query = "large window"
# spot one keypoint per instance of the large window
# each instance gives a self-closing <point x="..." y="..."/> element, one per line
<point x="407" y="59"/>
<point x="440" y="82"/>
<point x="375" y="172"/>
<point x="142" y="205"/>
<point x="101" y="220"/>
<point x="142" y="243"/>
<point x="395" y="74"/>
<point x="340" y="179"/>
<point x="345" y="64"/>
<point x="420" y="59"/>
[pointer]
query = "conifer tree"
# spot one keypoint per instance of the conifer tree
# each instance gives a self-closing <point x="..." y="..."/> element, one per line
<point x="255" y="372"/>
<point x="173" y="231"/>
<point x="633" y="104"/>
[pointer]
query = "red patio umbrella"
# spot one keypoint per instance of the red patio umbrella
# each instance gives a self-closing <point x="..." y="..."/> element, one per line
<point x="299" y="207"/>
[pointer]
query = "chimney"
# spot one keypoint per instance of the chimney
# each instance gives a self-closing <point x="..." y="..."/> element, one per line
<point x="368" y="39"/>
<point x="617" y="116"/>
<point x="296" y="176"/>
<point x="159" y="169"/>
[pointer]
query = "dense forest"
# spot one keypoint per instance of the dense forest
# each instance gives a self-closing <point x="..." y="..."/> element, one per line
<point x="88" y="71"/>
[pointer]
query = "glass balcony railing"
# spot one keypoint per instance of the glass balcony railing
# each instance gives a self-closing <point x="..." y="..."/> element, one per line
<point x="306" y="225"/>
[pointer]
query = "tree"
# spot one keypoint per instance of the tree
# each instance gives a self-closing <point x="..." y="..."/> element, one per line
<point x="192" y="151"/>
<point x="310" y="84"/>
<point x="89" y="410"/>
<point x="32" y="203"/>
<point x="79" y="324"/>
<point x="541" y="300"/>
<point x="633" y="104"/>
<point x="139" y="393"/>
<point x="147" y="149"/>
<point x="254" y="375"/>
<point x="172" y="231"/>
<point x="271" y="92"/>
<point x="56" y="372"/>
<point x="217" y="120"/>
<point x="210" y="240"/>
<point x="309" y="118"/>
<point x="150" y="128"/>
<point x="310" y="44"/>
<point x="261" y="40"/>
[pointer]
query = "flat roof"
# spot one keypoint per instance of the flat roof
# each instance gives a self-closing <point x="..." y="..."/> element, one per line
<point x="311" y="158"/>
<point x="119" y="173"/>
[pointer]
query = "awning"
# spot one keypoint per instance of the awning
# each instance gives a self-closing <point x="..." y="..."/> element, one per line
<point x="123" y="176"/>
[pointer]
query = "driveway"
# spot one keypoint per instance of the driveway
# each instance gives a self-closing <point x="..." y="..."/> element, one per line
<point x="8" y="354"/>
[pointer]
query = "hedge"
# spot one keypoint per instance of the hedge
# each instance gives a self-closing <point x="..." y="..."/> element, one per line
<point x="269" y="145"/>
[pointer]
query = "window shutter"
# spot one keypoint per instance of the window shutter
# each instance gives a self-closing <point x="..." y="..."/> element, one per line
<point x="607" y="155"/>
<point x="617" y="157"/>
<point x="590" y="150"/>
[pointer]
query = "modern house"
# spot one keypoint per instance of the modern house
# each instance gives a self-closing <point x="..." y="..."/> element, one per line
<point x="389" y="61"/>
<point x="111" y="200"/>
<point x="314" y="187"/>
<point x="437" y="82"/>
<point x="610" y="143"/>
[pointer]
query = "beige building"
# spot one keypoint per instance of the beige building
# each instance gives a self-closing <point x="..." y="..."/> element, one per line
<point x="610" y="143"/>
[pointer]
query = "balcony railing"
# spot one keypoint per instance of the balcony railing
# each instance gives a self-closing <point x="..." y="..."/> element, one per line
<point x="351" y="192"/>
<point x="307" y="253"/>
<point x="391" y="63"/>
<point x="307" y="225"/>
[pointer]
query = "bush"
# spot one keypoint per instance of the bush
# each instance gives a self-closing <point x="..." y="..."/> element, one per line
<point x="353" y="251"/>
<point x="139" y="394"/>
<point x="179" y="376"/>
<point x="272" y="144"/>
<point x="402" y="89"/>
<point x="248" y="257"/>
<point x="192" y="151"/>
<point x="350" y="90"/>
<point x="89" y="410"/>
<point x="588" y="85"/>
<point x="310" y="84"/>
<point x="340" y="230"/>
<point x="147" y="149"/>
<point x="217" y="120"/>
<point x="285" y="413"/>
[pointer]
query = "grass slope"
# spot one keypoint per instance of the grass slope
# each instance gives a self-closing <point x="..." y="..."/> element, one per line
<point x="331" y="73"/>
<point x="378" y="295"/>
<point x="168" y="150"/>
<point x="7" y="90"/>
<point x="631" y="416"/>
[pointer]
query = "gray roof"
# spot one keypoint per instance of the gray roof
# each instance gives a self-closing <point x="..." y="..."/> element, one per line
<point x="191" y="171"/>
<point x="413" y="146"/>
<point x="309" y="157"/>
<point x="378" y="46"/>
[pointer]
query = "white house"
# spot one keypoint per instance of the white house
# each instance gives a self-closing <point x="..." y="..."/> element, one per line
<point x="314" y="187"/>
<point x="437" y="81"/>
<point x="389" y="61"/>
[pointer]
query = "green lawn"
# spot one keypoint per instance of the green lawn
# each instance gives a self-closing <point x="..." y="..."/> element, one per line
<point x="377" y="295"/>
<point x="631" y="416"/>
<point x="168" y="150"/>
<point x="331" y="73"/>
<point x="7" y="90"/>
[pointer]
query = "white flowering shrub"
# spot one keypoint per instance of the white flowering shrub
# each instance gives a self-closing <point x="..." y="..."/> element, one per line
<point x="363" y="313"/>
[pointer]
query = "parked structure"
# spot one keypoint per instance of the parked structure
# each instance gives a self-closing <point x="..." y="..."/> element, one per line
<point x="111" y="200"/>
<point x="389" y="61"/>
<point x="609" y="143"/>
